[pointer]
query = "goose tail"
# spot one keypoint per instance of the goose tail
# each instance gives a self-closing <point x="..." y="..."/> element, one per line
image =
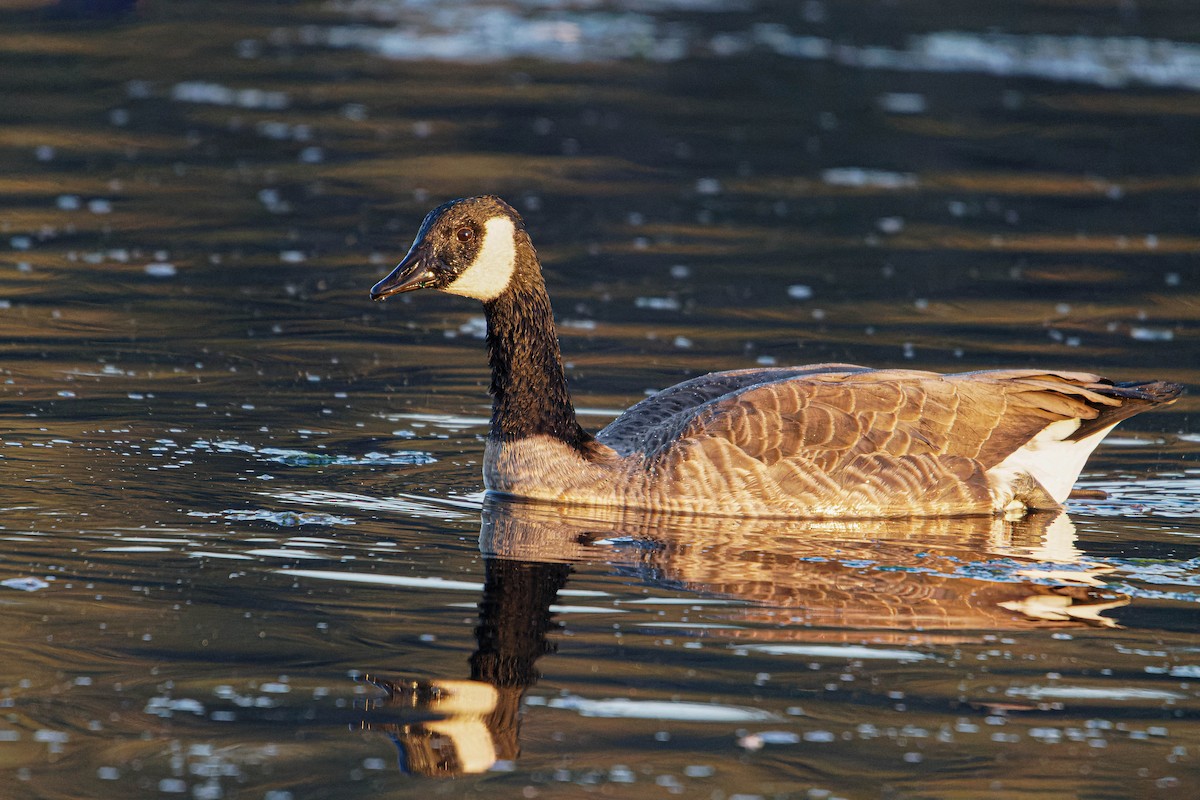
<point x="1041" y="473"/>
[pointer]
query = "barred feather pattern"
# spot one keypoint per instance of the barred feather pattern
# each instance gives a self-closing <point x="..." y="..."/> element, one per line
<point x="825" y="441"/>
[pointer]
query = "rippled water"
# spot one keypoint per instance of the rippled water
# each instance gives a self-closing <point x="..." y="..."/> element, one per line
<point x="245" y="551"/>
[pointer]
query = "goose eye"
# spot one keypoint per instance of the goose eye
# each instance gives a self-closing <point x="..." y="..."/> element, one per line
<point x="465" y="234"/>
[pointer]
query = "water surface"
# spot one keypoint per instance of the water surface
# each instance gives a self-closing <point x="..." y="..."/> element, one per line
<point x="245" y="551"/>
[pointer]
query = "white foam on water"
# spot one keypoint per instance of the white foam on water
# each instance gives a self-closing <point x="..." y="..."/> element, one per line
<point x="412" y="505"/>
<point x="1172" y="497"/>
<point x="471" y="500"/>
<point x="477" y="32"/>
<point x="216" y="94"/>
<point x="849" y="652"/>
<point x="408" y="581"/>
<point x="1091" y="693"/>
<point x="284" y="553"/>
<point x="135" y="549"/>
<point x="561" y="609"/>
<point x="624" y="708"/>
<point x="452" y="422"/>
<point x="862" y="178"/>
<point x="154" y="540"/>
<point x="160" y="269"/>
<point x="678" y="601"/>
<point x="25" y="584"/>
<point x="228" y="556"/>
<point x="691" y="626"/>
<point x="1130" y="441"/>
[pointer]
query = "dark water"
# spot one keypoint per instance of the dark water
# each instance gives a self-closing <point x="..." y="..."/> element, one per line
<point x="244" y="548"/>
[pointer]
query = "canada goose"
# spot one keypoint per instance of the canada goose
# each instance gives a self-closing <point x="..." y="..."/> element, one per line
<point x="825" y="440"/>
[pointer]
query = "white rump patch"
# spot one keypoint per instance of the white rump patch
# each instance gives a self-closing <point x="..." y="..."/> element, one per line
<point x="488" y="275"/>
<point x="1049" y="458"/>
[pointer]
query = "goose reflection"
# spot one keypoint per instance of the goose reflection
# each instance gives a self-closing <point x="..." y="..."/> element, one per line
<point x="919" y="581"/>
<point x="477" y="719"/>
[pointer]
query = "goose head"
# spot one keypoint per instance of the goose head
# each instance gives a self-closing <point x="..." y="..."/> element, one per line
<point x="465" y="247"/>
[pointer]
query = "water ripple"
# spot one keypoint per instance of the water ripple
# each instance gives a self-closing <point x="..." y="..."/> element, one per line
<point x="478" y="32"/>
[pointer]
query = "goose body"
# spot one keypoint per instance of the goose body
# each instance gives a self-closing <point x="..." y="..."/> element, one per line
<point x="825" y="440"/>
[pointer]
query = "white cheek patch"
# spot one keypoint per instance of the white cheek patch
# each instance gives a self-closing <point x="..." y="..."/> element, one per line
<point x="488" y="275"/>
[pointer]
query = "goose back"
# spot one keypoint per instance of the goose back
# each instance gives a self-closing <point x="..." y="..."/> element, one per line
<point x="842" y="440"/>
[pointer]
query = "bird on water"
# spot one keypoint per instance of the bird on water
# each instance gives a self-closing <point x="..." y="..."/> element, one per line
<point x="822" y="440"/>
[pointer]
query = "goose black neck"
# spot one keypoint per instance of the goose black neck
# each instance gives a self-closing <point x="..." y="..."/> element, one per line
<point x="529" y="389"/>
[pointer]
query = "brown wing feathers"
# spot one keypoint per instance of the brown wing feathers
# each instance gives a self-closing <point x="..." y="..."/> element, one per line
<point x="1134" y="398"/>
<point x="840" y="440"/>
<point x="984" y="416"/>
<point x="659" y="420"/>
